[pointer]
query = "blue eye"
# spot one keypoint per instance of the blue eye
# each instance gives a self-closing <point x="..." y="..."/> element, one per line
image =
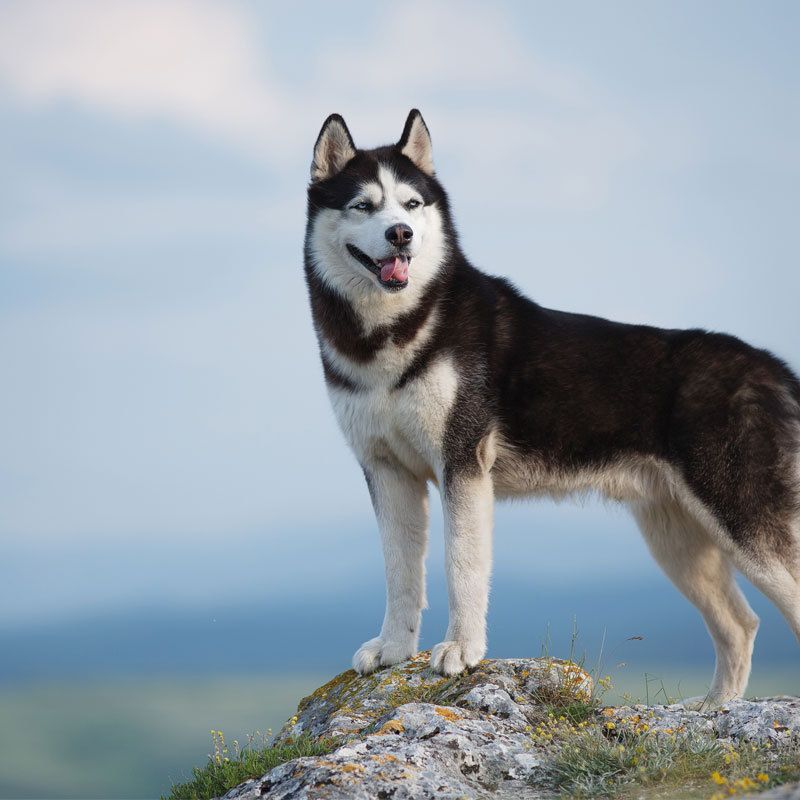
<point x="362" y="206"/>
<point x="412" y="204"/>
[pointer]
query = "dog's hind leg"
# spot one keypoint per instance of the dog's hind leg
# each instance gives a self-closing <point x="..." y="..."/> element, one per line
<point x="703" y="573"/>
<point x="776" y="573"/>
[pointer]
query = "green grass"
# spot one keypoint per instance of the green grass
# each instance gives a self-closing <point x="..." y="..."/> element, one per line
<point x="228" y="767"/>
<point x="665" y="683"/>
<point x="635" y="762"/>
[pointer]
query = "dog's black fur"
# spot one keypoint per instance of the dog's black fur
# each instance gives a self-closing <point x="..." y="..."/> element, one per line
<point x="580" y="392"/>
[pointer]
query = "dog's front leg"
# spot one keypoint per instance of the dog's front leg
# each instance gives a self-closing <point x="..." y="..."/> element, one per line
<point x="468" y="506"/>
<point x="401" y="507"/>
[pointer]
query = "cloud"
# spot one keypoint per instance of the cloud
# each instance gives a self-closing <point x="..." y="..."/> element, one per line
<point x="201" y="65"/>
<point x="191" y="61"/>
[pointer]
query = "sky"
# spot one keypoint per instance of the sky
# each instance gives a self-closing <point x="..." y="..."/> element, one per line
<point x="164" y="429"/>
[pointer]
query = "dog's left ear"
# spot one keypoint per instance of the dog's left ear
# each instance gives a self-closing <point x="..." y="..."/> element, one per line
<point x="415" y="143"/>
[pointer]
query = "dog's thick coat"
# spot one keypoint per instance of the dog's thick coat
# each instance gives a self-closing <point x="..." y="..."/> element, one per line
<point x="439" y="372"/>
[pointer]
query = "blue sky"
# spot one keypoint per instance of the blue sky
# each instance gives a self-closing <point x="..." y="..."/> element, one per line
<point x="162" y="408"/>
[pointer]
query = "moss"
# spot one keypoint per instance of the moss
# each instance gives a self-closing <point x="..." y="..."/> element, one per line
<point x="341" y="681"/>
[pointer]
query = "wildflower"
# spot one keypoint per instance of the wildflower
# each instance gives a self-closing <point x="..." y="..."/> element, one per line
<point x="718" y="779"/>
<point x="763" y="777"/>
<point x="609" y="726"/>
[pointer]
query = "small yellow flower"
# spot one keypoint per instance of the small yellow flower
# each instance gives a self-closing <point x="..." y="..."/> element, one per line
<point x="718" y="779"/>
<point x="609" y="726"/>
<point x="763" y="777"/>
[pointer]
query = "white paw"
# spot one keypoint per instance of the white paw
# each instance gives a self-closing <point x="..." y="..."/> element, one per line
<point x="376" y="653"/>
<point x="450" y="658"/>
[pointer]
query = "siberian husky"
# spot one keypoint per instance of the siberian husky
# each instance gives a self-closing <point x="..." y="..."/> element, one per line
<point x="438" y="372"/>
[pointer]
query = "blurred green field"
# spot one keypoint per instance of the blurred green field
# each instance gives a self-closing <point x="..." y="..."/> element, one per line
<point x="133" y="738"/>
<point x="129" y="738"/>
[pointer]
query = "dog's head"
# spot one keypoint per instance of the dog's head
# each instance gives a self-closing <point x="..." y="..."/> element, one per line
<point x="377" y="219"/>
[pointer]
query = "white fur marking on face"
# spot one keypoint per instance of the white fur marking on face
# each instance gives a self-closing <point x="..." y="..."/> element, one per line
<point x="333" y="230"/>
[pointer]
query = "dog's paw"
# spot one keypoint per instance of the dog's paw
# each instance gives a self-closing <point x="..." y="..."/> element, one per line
<point x="450" y="658"/>
<point x="376" y="653"/>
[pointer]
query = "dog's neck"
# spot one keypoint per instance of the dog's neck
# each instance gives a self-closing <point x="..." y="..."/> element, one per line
<point x="340" y="325"/>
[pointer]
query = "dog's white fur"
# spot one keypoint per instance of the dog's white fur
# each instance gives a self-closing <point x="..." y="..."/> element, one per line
<point x="397" y="436"/>
<point x="333" y="230"/>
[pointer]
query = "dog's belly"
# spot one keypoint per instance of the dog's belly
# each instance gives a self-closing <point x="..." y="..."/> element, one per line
<point x="627" y="479"/>
<point x="404" y="426"/>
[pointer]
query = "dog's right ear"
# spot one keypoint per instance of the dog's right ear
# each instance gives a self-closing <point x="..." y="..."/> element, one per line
<point x="334" y="148"/>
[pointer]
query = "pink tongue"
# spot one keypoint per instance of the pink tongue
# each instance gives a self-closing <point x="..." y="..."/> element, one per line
<point x="396" y="268"/>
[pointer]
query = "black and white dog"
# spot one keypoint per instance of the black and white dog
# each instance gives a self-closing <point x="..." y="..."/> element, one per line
<point x="438" y="372"/>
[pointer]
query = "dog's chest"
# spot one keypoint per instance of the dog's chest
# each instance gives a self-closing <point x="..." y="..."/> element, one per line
<point x="407" y="424"/>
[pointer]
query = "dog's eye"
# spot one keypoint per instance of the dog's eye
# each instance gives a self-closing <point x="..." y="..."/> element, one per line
<point x="362" y="206"/>
<point x="412" y="204"/>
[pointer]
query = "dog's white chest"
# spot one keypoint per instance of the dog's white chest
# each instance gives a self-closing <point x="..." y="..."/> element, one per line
<point x="405" y="424"/>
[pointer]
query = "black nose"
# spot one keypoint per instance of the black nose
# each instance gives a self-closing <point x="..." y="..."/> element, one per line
<point x="399" y="234"/>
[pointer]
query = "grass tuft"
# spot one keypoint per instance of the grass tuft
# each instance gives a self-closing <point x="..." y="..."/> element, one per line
<point x="228" y="767"/>
<point x="618" y="761"/>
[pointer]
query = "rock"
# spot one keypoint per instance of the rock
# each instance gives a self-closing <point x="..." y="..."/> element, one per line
<point x="349" y="703"/>
<point x="408" y="734"/>
<point x="770" y="719"/>
<point x="788" y="792"/>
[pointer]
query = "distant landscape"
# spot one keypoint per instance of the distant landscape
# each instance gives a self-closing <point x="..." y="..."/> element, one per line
<point x="123" y="704"/>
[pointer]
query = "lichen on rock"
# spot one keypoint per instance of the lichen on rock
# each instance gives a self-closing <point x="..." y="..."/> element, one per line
<point x="408" y="734"/>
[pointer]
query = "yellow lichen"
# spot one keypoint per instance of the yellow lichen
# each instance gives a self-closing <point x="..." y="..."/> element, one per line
<point x="392" y="726"/>
<point x="352" y="768"/>
<point x="447" y="713"/>
<point x="385" y="758"/>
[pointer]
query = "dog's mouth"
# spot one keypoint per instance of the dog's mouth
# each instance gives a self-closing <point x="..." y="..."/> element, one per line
<point x="392" y="271"/>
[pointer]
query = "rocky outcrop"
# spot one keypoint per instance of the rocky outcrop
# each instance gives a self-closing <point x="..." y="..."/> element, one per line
<point x="407" y="734"/>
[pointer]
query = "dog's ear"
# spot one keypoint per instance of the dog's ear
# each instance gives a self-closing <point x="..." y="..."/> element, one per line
<point x="334" y="148"/>
<point x="415" y="143"/>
